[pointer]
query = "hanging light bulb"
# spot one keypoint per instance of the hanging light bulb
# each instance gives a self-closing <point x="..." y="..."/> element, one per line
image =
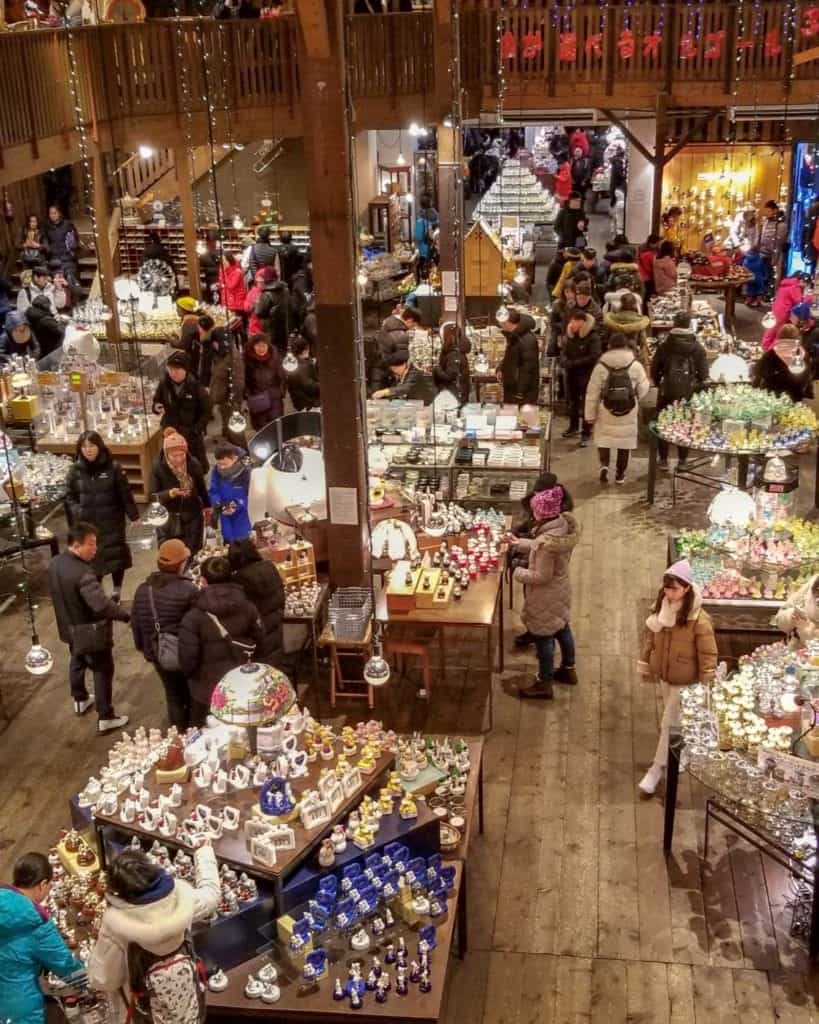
<point x="401" y="160"/>
<point x="798" y="361"/>
<point x="237" y="422"/>
<point x="238" y="223"/>
<point x="768" y="321"/>
<point x="39" y="660"/>
<point x="156" y="514"/>
<point x="146" y="152"/>
<point x="502" y="315"/>
<point x="105" y="313"/>
<point x="376" y="668"/>
<point x="362" y="278"/>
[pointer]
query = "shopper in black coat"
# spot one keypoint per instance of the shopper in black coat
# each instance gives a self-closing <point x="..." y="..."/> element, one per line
<point x="262" y="584"/>
<point x="47" y="330"/>
<point x="291" y="258"/>
<point x="205" y="656"/>
<point x="519" y="370"/>
<point x="580" y="354"/>
<point x="262" y="253"/>
<point x="178" y="481"/>
<point x="98" y="492"/>
<point x="452" y="371"/>
<point x="264" y="381"/>
<point x="773" y="372"/>
<point x="274" y="310"/>
<point x="303" y="383"/>
<point x="184" y="405"/>
<point x="571" y="222"/>
<point x="174" y="594"/>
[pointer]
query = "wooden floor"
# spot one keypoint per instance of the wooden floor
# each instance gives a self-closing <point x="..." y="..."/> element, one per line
<point x="575" y="915"/>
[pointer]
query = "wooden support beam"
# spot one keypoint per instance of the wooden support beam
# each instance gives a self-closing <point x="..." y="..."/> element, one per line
<point x="313" y="20"/>
<point x="687" y="135"/>
<point x="105" y="259"/>
<point x="450" y="208"/>
<point x="659" y="150"/>
<point x="624" y="128"/>
<point x="327" y="134"/>
<point x="806" y="56"/>
<point x="441" y="53"/>
<point x="181" y="158"/>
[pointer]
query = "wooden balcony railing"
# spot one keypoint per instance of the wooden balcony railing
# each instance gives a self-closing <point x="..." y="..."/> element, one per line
<point x="712" y="52"/>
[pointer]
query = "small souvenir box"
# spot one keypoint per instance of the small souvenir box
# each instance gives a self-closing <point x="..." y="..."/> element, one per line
<point x="427" y="586"/>
<point x="402" y="586"/>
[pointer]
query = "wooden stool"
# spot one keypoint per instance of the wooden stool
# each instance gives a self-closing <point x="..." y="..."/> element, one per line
<point x="359" y="650"/>
<point x="416" y="641"/>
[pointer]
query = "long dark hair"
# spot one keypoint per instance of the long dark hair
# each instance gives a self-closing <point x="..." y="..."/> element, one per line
<point x="686" y="604"/>
<point x="96" y="439"/>
<point x="242" y="553"/>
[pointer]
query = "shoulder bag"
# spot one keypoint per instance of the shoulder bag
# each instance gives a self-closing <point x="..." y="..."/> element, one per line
<point x="89" y="637"/>
<point x="236" y="646"/>
<point x="166" y="645"/>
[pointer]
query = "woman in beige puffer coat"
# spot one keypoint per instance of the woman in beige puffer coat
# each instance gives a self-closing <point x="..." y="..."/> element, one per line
<point x="611" y="430"/>
<point x="547" y="591"/>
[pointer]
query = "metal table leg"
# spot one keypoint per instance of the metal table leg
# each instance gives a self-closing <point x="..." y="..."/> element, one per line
<point x="500" y="627"/>
<point x="652" y="467"/>
<point x="480" y="798"/>
<point x="463" y="947"/>
<point x="672" y="776"/>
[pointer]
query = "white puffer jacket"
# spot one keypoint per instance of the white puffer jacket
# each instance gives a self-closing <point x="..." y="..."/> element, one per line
<point x="615" y="431"/>
<point x="159" y="927"/>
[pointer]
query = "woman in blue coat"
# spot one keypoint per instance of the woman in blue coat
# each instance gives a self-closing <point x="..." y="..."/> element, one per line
<point x="30" y="944"/>
<point x="229" y="486"/>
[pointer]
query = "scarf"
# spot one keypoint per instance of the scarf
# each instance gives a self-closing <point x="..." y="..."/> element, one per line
<point x="163" y="885"/>
<point x="233" y="472"/>
<point x="666" y="617"/>
<point x="181" y="473"/>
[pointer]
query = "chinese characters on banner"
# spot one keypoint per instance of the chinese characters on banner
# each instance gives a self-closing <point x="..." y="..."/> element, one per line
<point x="711" y="45"/>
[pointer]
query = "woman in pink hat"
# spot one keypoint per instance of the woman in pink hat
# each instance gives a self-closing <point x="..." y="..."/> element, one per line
<point x="679" y="648"/>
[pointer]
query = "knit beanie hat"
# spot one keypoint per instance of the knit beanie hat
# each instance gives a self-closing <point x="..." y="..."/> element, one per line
<point x="173" y="439"/>
<point x="547" y="504"/>
<point x="682" y="571"/>
<point x="187" y="304"/>
<point x="172" y="554"/>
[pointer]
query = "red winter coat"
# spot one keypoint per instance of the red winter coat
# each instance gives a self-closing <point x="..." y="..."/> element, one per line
<point x="579" y="140"/>
<point x="563" y="182"/>
<point x="232" y="284"/>
<point x="645" y="264"/>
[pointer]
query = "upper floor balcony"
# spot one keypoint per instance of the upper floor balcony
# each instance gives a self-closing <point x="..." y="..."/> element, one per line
<point x="168" y="81"/>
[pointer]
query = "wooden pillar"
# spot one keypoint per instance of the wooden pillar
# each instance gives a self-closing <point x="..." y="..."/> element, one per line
<point x="442" y="54"/>
<point x="450" y="209"/>
<point x="661" y="130"/>
<point x="181" y="158"/>
<point x="105" y="259"/>
<point x="322" y="60"/>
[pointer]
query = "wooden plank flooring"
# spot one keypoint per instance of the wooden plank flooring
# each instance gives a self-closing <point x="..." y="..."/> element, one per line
<point x="575" y="915"/>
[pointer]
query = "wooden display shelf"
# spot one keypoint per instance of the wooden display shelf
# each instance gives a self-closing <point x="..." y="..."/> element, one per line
<point x="136" y="459"/>
<point x="305" y="1001"/>
<point x="132" y="238"/>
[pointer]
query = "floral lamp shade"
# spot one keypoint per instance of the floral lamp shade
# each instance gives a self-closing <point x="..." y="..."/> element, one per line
<point x="252" y="694"/>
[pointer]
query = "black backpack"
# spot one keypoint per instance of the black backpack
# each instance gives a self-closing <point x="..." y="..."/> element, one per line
<point x="680" y="379"/>
<point x="618" y="394"/>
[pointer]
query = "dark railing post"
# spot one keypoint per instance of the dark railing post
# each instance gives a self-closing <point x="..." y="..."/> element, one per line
<point x="610" y="51"/>
<point x="669" y="39"/>
<point x="729" y="50"/>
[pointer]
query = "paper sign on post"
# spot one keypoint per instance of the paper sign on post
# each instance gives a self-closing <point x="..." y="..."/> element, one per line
<point x="343" y="506"/>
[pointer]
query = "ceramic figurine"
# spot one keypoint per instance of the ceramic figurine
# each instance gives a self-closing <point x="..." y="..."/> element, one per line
<point x="420" y="904"/>
<point x="253" y="988"/>
<point x="339" y="839"/>
<point x="401" y="986"/>
<point x="355" y="999"/>
<point x="382" y="988"/>
<point x="372" y="981"/>
<point x="360" y="940"/>
<point x="268" y="974"/>
<point x="220" y="783"/>
<point x="378" y="926"/>
<point x="408" y="809"/>
<point x="271" y="993"/>
<point x="414" y="971"/>
<point x="338" y="991"/>
<point x="436" y="908"/>
<point x="230" y="818"/>
<point x="402" y="948"/>
<point x="389" y="953"/>
<point x="389" y="919"/>
<point x="424" y="984"/>
<point x="423" y="948"/>
<point x="218" y="982"/>
<point x="327" y="853"/>
<point x="260" y="774"/>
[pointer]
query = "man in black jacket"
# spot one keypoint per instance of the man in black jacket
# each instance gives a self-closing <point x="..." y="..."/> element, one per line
<point x="582" y="350"/>
<point x="262" y="253"/>
<point x="519" y="370"/>
<point x="303" y="383"/>
<point x="216" y="635"/>
<point x="410" y="383"/>
<point x="183" y="405"/>
<point x="291" y="258"/>
<point x="79" y="600"/>
<point x="570" y="223"/>
<point x="274" y="309"/>
<point x="46" y="328"/>
<point x="679" y="368"/>
<point x="173" y="594"/>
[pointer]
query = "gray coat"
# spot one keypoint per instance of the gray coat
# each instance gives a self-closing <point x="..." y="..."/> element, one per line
<point x="547" y="592"/>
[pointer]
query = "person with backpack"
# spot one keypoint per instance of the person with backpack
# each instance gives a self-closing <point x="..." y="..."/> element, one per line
<point x="582" y="350"/>
<point x="160" y="603"/>
<point x="679" y="369"/>
<point x="144" y="954"/>
<point x="218" y="634"/>
<point x="616" y="387"/>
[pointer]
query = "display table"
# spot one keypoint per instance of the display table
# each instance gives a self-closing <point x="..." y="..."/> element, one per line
<point x="302" y="1000"/>
<point x="480" y="608"/>
<point x="727" y="287"/>
<point x="135" y="458"/>
<point x="691" y="471"/>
